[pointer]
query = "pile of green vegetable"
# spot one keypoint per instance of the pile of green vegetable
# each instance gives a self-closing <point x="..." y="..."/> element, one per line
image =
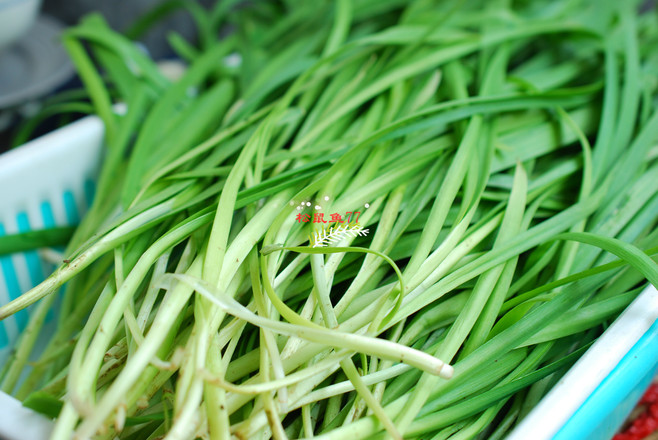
<point x="506" y="153"/>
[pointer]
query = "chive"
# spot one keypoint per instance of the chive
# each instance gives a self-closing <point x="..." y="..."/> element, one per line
<point x="25" y="241"/>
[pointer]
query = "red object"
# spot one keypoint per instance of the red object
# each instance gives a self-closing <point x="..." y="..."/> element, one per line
<point x="647" y="422"/>
<point x="335" y="217"/>
<point x="349" y="217"/>
<point x="303" y="218"/>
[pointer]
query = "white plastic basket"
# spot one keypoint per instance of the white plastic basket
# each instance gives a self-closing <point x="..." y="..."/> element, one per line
<point x="47" y="182"/>
<point x="50" y="182"/>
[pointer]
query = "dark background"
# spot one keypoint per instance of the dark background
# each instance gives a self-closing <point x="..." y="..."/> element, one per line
<point x="121" y="13"/>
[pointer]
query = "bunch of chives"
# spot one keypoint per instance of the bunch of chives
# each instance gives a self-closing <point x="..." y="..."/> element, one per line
<point x="506" y="156"/>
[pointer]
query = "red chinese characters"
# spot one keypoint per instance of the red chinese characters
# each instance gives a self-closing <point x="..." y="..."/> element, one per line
<point x="336" y="218"/>
<point x="318" y="217"/>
